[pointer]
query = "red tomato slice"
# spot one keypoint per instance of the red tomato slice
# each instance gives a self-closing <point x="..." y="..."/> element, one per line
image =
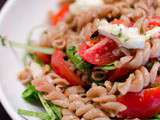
<point x="100" y="53"/>
<point x="145" y="104"/>
<point x="55" y="18"/>
<point x="43" y="57"/>
<point x="118" y="73"/>
<point x="153" y="21"/>
<point x="61" y="67"/>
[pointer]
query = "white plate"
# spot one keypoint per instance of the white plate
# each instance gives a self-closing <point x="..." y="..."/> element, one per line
<point x="17" y="18"/>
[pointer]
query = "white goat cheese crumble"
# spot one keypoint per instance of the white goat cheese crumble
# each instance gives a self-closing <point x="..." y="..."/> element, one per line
<point x="84" y="5"/>
<point x="129" y="37"/>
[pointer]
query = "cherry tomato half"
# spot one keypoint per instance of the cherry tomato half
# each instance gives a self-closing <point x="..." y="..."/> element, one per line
<point x="43" y="57"/>
<point x="61" y="67"/>
<point x="99" y="53"/>
<point x="145" y="104"/>
<point x="118" y="73"/>
<point x="153" y="21"/>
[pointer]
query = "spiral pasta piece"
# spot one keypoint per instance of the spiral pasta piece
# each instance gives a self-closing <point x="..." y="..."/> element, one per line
<point x="79" y="107"/>
<point x="51" y="93"/>
<point x="98" y="94"/>
<point x="25" y="76"/>
<point x="155" y="50"/>
<point x="57" y="81"/>
<point x="138" y="80"/>
<point x="55" y="37"/>
<point x="142" y="56"/>
<point x="85" y="110"/>
<point x="74" y="90"/>
<point x="113" y="108"/>
<point x="68" y="115"/>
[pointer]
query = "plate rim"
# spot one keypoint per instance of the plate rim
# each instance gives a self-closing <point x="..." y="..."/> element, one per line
<point x="4" y="11"/>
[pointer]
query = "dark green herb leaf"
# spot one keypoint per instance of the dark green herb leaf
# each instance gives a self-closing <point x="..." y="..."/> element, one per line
<point x="77" y="60"/>
<point x="30" y="94"/>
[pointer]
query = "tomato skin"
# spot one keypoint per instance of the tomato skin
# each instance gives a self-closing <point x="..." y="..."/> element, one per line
<point x="43" y="57"/>
<point x="153" y="21"/>
<point x="118" y="73"/>
<point x="61" y="67"/>
<point x="55" y="18"/>
<point x="99" y="53"/>
<point x="145" y="104"/>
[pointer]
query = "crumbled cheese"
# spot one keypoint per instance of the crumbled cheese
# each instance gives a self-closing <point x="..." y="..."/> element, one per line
<point x="84" y="5"/>
<point x="151" y="33"/>
<point x="36" y="70"/>
<point x="129" y="37"/>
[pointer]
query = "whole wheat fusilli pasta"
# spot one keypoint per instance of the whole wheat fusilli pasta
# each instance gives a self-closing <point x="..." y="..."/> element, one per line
<point x="98" y="94"/>
<point x="139" y="80"/>
<point x="142" y="56"/>
<point x="51" y="93"/>
<point x="55" y="37"/>
<point x="25" y="75"/>
<point x="85" y="110"/>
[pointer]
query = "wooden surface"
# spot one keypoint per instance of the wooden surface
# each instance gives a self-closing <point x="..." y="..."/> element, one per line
<point x="3" y="114"/>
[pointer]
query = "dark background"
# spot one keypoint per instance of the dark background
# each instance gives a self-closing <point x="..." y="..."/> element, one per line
<point x="3" y="114"/>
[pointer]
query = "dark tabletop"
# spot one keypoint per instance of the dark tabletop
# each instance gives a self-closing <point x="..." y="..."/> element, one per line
<point x="3" y="114"/>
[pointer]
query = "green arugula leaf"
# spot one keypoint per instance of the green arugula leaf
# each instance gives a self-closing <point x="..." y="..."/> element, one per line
<point x="77" y="60"/>
<point x="47" y="107"/>
<point x="57" y="110"/>
<point x="30" y="94"/>
<point x="109" y="67"/>
<point x="41" y="115"/>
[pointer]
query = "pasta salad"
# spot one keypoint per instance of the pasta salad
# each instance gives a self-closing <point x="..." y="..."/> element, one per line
<point x="95" y="60"/>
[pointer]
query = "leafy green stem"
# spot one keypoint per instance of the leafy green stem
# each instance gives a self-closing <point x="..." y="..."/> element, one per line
<point x="41" y="115"/>
<point x="47" y="107"/>
<point x="31" y="48"/>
